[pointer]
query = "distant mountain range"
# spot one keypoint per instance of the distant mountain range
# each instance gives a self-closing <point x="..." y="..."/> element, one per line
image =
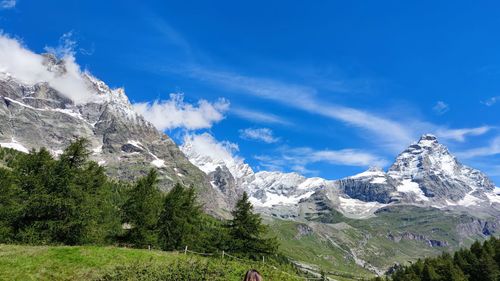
<point x="427" y="201"/>
<point x="425" y="174"/>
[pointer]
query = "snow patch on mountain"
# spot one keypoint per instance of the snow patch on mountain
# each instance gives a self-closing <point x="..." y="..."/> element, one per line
<point x="357" y="208"/>
<point x="425" y="173"/>
<point x="407" y="185"/>
<point x="15" y="145"/>
<point x="264" y="188"/>
<point x="373" y="172"/>
<point x="272" y="199"/>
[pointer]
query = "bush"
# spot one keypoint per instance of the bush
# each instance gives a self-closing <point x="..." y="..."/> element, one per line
<point x="194" y="268"/>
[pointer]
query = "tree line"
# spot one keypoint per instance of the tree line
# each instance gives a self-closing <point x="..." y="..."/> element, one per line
<point x="69" y="200"/>
<point x="481" y="262"/>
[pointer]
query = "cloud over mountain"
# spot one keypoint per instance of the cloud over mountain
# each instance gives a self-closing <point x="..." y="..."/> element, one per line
<point x="31" y="68"/>
<point x="176" y="113"/>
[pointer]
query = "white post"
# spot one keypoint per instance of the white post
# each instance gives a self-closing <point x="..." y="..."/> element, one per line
<point x="186" y="250"/>
<point x="263" y="259"/>
<point x="222" y="254"/>
<point x="149" y="247"/>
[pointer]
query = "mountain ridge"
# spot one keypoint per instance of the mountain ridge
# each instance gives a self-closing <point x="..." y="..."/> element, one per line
<point x="36" y="115"/>
<point x="425" y="174"/>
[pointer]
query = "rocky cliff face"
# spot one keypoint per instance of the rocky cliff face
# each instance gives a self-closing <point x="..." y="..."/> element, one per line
<point x="427" y="174"/>
<point x="37" y="115"/>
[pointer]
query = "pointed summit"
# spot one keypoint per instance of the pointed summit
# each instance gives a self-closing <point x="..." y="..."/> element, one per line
<point x="437" y="171"/>
<point x="427" y="140"/>
<point x="428" y="137"/>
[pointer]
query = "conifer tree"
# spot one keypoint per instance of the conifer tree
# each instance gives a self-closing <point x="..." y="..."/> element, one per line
<point x="180" y="220"/>
<point x="141" y="211"/>
<point x="11" y="205"/>
<point x="247" y="231"/>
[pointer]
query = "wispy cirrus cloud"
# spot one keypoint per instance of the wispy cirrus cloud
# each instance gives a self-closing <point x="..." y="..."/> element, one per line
<point x="176" y="113"/>
<point x="305" y="98"/>
<point x="259" y="117"/>
<point x="492" y="149"/>
<point x="387" y="132"/>
<point x="258" y="134"/>
<point x="8" y="4"/>
<point x="298" y="158"/>
<point x="491" y="101"/>
<point x="441" y="108"/>
<point x="461" y="134"/>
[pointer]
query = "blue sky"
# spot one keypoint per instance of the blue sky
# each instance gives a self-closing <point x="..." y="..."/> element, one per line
<point x="325" y="88"/>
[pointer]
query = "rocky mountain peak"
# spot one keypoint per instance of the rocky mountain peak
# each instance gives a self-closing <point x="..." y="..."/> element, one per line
<point x="425" y="156"/>
<point x="428" y="137"/>
<point x="37" y="114"/>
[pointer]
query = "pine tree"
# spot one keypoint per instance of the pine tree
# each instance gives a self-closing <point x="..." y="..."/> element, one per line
<point x="141" y="211"/>
<point x="12" y="200"/>
<point x="247" y="232"/>
<point x="180" y="220"/>
<point x="429" y="273"/>
<point x="479" y="263"/>
<point x="76" y="154"/>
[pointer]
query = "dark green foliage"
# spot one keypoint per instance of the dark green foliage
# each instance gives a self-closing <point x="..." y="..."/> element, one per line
<point x="141" y="211"/>
<point x="180" y="220"/>
<point x="247" y="232"/>
<point x="194" y="268"/>
<point x="49" y="201"/>
<point x="11" y="205"/>
<point x="71" y="201"/>
<point x="479" y="263"/>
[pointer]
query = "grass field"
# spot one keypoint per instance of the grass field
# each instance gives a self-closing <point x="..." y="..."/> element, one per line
<point x="112" y="263"/>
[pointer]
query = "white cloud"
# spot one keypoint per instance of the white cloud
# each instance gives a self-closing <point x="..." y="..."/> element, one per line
<point x="491" y="101"/>
<point x="7" y="4"/>
<point x="206" y="144"/>
<point x="207" y="153"/>
<point x="460" y="134"/>
<point x="441" y="107"/>
<point x="394" y="134"/>
<point x="492" y="149"/>
<point x="259" y="134"/>
<point x="350" y="157"/>
<point x="257" y="116"/>
<point x="388" y="133"/>
<point x="176" y="113"/>
<point x="30" y="68"/>
<point x="300" y="157"/>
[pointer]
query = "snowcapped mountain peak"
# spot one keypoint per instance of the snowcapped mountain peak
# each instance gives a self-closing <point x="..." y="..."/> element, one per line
<point x="425" y="156"/>
<point x="265" y="188"/>
<point x="428" y="140"/>
<point x="114" y="97"/>
<point x="424" y="173"/>
<point x="371" y="172"/>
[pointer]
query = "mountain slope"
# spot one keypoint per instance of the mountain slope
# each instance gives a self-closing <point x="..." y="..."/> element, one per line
<point x="37" y="115"/>
<point x="425" y="174"/>
<point x="232" y="176"/>
<point x="427" y="202"/>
